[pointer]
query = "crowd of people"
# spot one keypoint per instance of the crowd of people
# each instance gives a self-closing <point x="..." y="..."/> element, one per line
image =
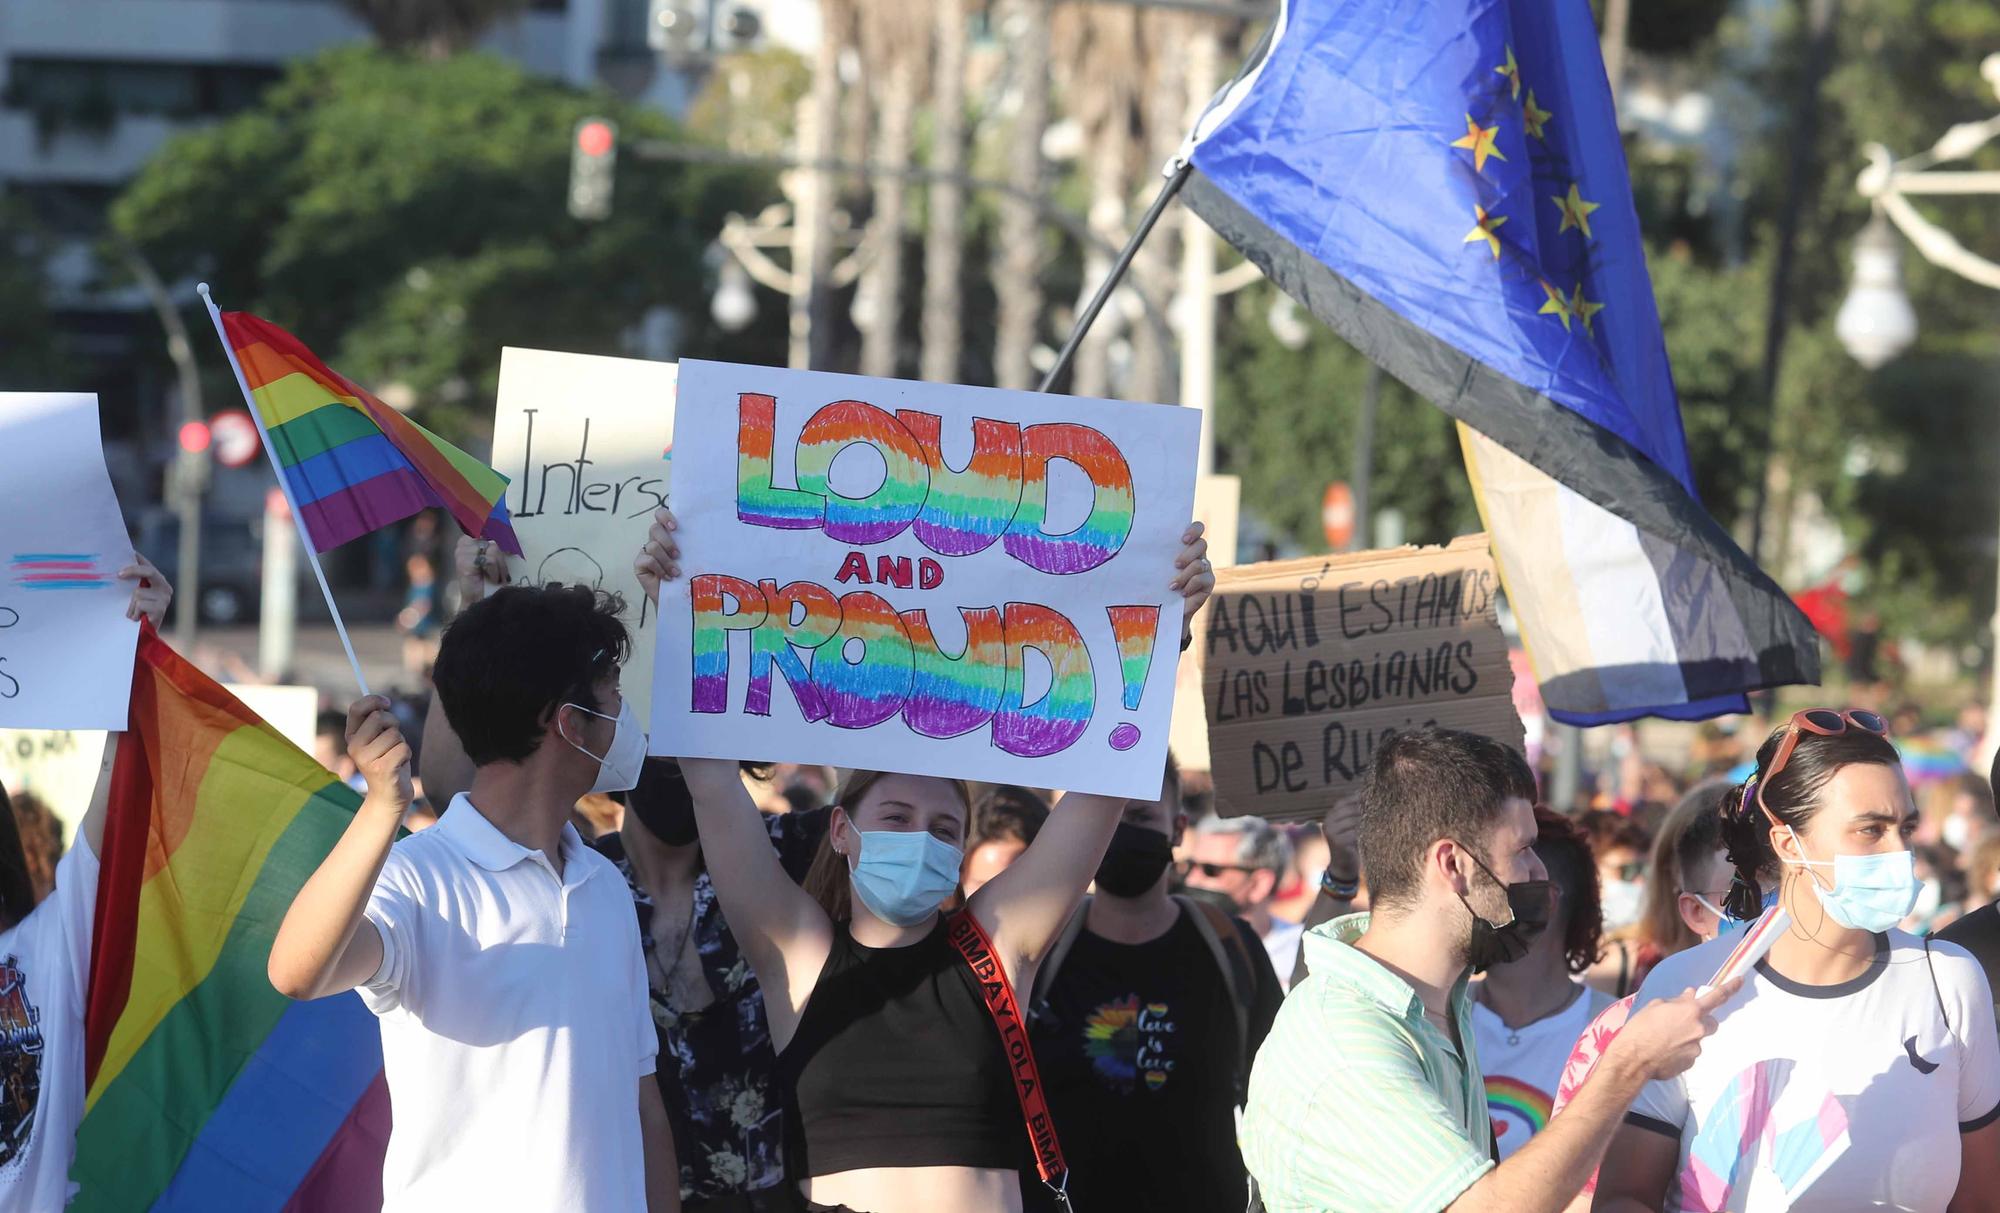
<point x="612" y="981"/>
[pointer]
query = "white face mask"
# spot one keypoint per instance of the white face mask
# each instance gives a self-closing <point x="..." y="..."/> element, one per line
<point x="1623" y="901"/>
<point x="618" y="768"/>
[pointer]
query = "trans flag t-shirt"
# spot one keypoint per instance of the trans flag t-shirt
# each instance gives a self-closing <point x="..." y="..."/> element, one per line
<point x="1824" y="1098"/>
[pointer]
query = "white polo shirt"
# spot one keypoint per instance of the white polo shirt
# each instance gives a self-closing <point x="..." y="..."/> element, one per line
<point x="515" y="1026"/>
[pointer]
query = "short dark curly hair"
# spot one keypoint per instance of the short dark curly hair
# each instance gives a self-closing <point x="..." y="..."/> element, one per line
<point x="510" y="660"/>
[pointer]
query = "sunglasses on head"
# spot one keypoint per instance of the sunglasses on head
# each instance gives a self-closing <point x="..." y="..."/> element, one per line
<point x="1823" y="722"/>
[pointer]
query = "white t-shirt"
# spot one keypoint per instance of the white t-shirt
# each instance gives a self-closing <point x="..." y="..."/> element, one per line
<point x="1820" y="1098"/>
<point x="1522" y="1066"/>
<point x="515" y="1025"/>
<point x="1281" y="944"/>
<point x="44" y="970"/>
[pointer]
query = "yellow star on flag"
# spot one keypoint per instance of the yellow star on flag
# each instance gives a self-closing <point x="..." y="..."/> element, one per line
<point x="1534" y="117"/>
<point x="1483" y="230"/>
<point x="1575" y="212"/>
<point x="1479" y="141"/>
<point x="1583" y="308"/>
<point x="1555" y="305"/>
<point x="1512" y="71"/>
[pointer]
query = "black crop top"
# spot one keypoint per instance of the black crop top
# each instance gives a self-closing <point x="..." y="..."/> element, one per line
<point x="897" y="1063"/>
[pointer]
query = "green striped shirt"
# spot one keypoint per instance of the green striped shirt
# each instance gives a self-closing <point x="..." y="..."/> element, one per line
<point x="1357" y="1101"/>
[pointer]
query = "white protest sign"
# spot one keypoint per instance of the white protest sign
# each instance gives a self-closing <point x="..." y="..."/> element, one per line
<point x="585" y="440"/>
<point x="65" y="645"/>
<point x="924" y="577"/>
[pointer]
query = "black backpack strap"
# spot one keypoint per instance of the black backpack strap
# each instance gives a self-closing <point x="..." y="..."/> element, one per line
<point x="1045" y="973"/>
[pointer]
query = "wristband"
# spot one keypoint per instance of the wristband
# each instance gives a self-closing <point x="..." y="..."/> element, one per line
<point x="1339" y="890"/>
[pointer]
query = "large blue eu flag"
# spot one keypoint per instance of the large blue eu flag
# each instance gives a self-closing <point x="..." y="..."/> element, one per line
<point x="1441" y="182"/>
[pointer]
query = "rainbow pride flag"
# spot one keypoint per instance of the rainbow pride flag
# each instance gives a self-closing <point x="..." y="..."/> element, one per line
<point x="207" y="1089"/>
<point x="354" y="464"/>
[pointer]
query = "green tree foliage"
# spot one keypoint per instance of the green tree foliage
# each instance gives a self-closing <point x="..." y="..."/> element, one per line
<point x="30" y="355"/>
<point x="407" y="219"/>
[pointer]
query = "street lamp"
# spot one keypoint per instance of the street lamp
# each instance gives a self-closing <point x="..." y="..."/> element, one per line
<point x="1876" y="321"/>
<point x="734" y="306"/>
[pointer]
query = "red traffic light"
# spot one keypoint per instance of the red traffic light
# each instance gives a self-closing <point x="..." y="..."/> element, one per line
<point x="194" y="437"/>
<point x="594" y="138"/>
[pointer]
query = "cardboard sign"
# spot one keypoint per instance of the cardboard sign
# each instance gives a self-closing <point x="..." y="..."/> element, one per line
<point x="1310" y="664"/>
<point x="585" y="439"/>
<point x="66" y="647"/>
<point x="924" y="577"/>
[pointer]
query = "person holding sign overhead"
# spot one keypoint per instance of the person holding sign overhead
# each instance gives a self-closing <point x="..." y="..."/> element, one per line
<point x="1857" y="1066"/>
<point x="905" y="1099"/>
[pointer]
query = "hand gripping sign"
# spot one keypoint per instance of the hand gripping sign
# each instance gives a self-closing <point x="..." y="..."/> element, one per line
<point x="922" y="577"/>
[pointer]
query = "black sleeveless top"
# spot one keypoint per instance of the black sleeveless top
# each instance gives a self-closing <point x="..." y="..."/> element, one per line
<point x="897" y="1063"/>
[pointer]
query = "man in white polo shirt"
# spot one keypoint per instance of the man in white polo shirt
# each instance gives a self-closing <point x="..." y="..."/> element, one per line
<point x="498" y="950"/>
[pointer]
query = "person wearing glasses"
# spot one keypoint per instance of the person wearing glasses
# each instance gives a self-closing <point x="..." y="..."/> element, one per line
<point x="1243" y="858"/>
<point x="1857" y="1066"/>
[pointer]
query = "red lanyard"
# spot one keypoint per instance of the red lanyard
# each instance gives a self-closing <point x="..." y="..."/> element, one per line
<point x="973" y="944"/>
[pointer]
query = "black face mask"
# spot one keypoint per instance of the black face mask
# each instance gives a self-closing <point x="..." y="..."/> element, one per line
<point x="662" y="804"/>
<point x="1134" y="860"/>
<point x="1491" y="945"/>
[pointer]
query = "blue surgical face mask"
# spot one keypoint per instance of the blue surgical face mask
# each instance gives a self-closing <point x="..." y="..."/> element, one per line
<point x="903" y="875"/>
<point x="1730" y="922"/>
<point x="1870" y="892"/>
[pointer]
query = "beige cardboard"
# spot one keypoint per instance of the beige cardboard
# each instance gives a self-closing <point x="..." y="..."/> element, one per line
<point x="1308" y="664"/>
<point x="1216" y="507"/>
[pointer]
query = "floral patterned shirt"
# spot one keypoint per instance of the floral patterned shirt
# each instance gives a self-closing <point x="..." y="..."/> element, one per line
<point x="717" y="1072"/>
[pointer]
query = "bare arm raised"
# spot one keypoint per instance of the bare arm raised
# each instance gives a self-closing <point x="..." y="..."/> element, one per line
<point x="784" y="933"/>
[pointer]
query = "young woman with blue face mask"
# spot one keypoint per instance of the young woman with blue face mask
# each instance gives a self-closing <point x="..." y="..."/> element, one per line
<point x="903" y="1096"/>
<point x="1858" y="1065"/>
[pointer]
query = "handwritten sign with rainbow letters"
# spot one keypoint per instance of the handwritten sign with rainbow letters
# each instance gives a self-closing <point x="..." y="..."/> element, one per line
<point x="65" y="645"/>
<point x="923" y="577"/>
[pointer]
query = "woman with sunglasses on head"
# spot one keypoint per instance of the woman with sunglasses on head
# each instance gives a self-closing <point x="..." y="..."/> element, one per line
<point x="1858" y="1066"/>
<point x="903" y="1098"/>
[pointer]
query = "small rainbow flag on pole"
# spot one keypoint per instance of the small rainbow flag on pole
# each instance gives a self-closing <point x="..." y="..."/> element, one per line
<point x="206" y="1088"/>
<point x="351" y="463"/>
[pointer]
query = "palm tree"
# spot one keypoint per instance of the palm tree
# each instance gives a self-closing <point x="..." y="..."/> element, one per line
<point x="942" y="319"/>
<point x="1017" y="257"/>
<point x="434" y="28"/>
<point x="895" y="46"/>
<point x="1102" y="73"/>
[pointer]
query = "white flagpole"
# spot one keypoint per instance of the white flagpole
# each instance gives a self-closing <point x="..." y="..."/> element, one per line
<point x="284" y="486"/>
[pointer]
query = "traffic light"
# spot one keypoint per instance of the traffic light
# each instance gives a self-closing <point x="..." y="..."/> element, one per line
<point x="593" y="154"/>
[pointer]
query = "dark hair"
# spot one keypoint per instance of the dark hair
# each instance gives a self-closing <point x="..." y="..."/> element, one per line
<point x="1792" y="799"/>
<point x="331" y="724"/>
<point x="1427" y="784"/>
<point x="1006" y="811"/>
<point x="1690" y="834"/>
<point x="17" y="891"/>
<point x="1565" y="852"/>
<point x="509" y="661"/>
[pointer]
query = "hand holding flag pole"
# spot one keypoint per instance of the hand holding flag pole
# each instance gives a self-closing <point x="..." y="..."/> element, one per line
<point x="284" y="486"/>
